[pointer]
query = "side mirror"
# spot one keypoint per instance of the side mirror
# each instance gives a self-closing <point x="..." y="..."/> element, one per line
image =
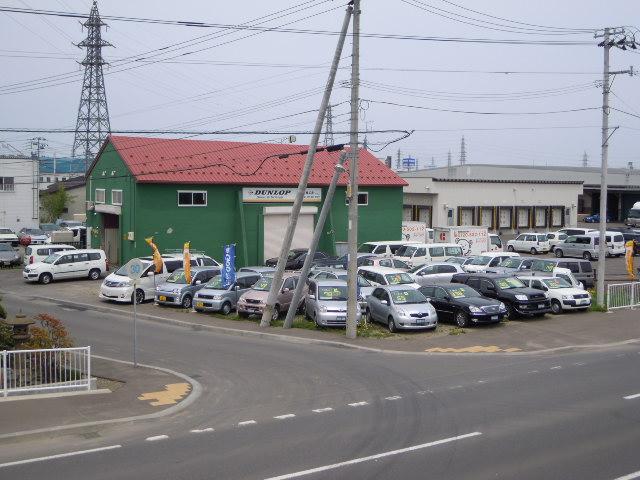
<point x="491" y="288"/>
<point x="150" y="274"/>
<point x="285" y="290"/>
<point x="384" y="302"/>
<point x="236" y="287"/>
<point x="312" y="297"/>
<point x="447" y="298"/>
<point x="197" y="282"/>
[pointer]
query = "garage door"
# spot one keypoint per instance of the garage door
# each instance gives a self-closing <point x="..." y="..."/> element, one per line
<point x="466" y="216"/>
<point x="541" y="217"/>
<point x="505" y="218"/>
<point x="556" y="216"/>
<point x="487" y="217"/>
<point x="424" y="215"/>
<point x="523" y="217"/>
<point x="275" y="226"/>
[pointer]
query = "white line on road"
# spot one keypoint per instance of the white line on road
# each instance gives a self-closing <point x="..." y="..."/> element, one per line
<point x="395" y="397"/>
<point x="322" y="410"/>
<point x="61" y="455"/>
<point x="557" y="367"/>
<point x="156" y="438"/>
<point x="373" y="457"/>
<point x="246" y="422"/>
<point x="631" y="397"/>
<point x="482" y="381"/>
<point x="202" y="430"/>
<point x="282" y="417"/>
<point x="358" y="404"/>
<point x="579" y="364"/>
<point x="456" y="387"/>
<point x="631" y="476"/>
<point x="534" y="371"/>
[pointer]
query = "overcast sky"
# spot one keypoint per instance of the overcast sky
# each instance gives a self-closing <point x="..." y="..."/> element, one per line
<point x="265" y="81"/>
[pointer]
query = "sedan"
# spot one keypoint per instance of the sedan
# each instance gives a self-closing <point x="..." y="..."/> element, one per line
<point x="463" y="304"/>
<point x="434" y="272"/>
<point x="8" y="256"/>
<point x="595" y="218"/>
<point x="401" y="308"/>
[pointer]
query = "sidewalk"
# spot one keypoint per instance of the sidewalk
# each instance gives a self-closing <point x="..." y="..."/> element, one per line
<point x="134" y="392"/>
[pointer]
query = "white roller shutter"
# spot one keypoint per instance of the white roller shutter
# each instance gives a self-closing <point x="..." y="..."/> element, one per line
<point x="466" y="216"/>
<point x="523" y="217"/>
<point x="556" y="216"/>
<point x="407" y="213"/>
<point x="505" y="218"/>
<point x="487" y="217"/>
<point x="425" y="215"/>
<point x="541" y="218"/>
<point x="275" y="226"/>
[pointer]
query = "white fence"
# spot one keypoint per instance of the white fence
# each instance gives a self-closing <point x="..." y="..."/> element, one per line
<point x="55" y="369"/>
<point x="623" y="295"/>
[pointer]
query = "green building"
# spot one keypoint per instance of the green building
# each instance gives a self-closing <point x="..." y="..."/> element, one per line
<point x="214" y="193"/>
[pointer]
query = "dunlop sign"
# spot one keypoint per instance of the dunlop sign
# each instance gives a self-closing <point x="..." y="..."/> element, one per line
<point x="278" y="194"/>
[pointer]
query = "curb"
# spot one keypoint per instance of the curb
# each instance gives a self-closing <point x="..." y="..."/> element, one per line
<point x="328" y="343"/>
<point x="196" y="391"/>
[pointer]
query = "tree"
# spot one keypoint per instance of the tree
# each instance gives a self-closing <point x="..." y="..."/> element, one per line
<point x="50" y="333"/>
<point x="6" y="332"/>
<point x="54" y="204"/>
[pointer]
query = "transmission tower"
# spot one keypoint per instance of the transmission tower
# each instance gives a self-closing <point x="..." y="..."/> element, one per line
<point x="463" y="152"/>
<point x="585" y="160"/>
<point x="328" y="132"/>
<point x="92" y="126"/>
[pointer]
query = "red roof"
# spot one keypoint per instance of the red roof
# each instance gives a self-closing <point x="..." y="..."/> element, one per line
<point x="157" y="160"/>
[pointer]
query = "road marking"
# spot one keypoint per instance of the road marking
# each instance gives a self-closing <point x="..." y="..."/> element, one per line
<point x="61" y="455"/>
<point x="534" y="371"/>
<point x="282" y="417"/>
<point x="455" y="387"/>
<point x="620" y="355"/>
<point x="482" y="381"/>
<point x="156" y="438"/>
<point x="557" y="367"/>
<point x="579" y="364"/>
<point x="373" y="457"/>
<point x="631" y="476"/>
<point x="169" y="396"/>
<point x="631" y="397"/>
<point x="322" y="410"/>
<point x="246" y="422"/>
<point x="358" y="404"/>
<point x="422" y="392"/>
<point x="395" y="397"/>
<point x="202" y="430"/>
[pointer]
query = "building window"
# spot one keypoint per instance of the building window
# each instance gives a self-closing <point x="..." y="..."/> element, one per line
<point x="48" y="179"/>
<point x="100" y="195"/>
<point x="116" y="197"/>
<point x="187" y="198"/>
<point x="363" y="199"/>
<point x="7" y="184"/>
<point x="41" y="179"/>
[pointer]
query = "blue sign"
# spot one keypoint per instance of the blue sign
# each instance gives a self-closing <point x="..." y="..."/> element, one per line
<point x="229" y="265"/>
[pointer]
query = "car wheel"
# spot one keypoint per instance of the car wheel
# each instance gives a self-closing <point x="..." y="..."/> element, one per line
<point x="391" y="325"/>
<point x="558" y="253"/>
<point x="94" y="274"/>
<point x="586" y="256"/>
<point x="226" y="308"/>
<point x="534" y="251"/>
<point x="511" y="249"/>
<point x="556" y="308"/>
<point x="462" y="319"/>
<point x="553" y="247"/>
<point x="367" y="316"/>
<point x="315" y="320"/>
<point x="186" y="301"/>
<point x="276" y="313"/>
<point x="45" y="278"/>
<point x="139" y="296"/>
<point x="511" y="313"/>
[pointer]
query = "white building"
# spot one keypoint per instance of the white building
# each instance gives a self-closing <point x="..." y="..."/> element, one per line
<point x="504" y="200"/>
<point x="19" y="192"/>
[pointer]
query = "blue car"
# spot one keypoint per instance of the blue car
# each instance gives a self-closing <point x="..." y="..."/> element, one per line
<point x="595" y="218"/>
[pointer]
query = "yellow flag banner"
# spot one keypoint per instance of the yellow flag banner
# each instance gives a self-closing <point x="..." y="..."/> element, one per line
<point x="186" y="262"/>
<point x="629" y="257"/>
<point x="157" y="258"/>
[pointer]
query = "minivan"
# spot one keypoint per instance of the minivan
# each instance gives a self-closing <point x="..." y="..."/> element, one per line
<point x="615" y="243"/>
<point x="177" y="291"/>
<point x="68" y="264"/>
<point x="37" y="253"/>
<point x="581" y="269"/>
<point x="216" y="297"/>
<point x="421" y="253"/>
<point x="383" y="248"/>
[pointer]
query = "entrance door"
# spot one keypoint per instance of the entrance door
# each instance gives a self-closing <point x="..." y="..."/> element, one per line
<point x="275" y="226"/>
<point x="111" y="225"/>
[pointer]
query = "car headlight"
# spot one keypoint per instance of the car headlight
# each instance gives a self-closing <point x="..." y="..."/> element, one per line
<point x="567" y="297"/>
<point x="217" y="297"/>
<point x="502" y="307"/>
<point x="323" y="308"/>
<point x="473" y="309"/>
<point x="522" y="298"/>
<point x="401" y="312"/>
<point x="177" y="290"/>
<point x="157" y="289"/>
<point x="122" y="284"/>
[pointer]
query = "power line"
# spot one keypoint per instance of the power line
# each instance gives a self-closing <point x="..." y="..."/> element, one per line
<point x="551" y="112"/>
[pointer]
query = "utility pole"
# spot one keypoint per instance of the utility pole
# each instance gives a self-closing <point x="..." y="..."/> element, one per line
<point x="609" y="39"/>
<point x="352" y="191"/>
<point x="37" y="145"/>
<point x="268" y="311"/>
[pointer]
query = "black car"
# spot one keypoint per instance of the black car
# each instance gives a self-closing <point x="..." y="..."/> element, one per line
<point x="293" y="254"/>
<point x="518" y="299"/>
<point x="340" y="262"/>
<point x="463" y="305"/>
<point x="297" y="262"/>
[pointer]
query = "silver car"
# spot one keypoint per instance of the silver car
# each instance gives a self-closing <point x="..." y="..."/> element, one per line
<point x="437" y="272"/>
<point x="261" y="269"/>
<point x="326" y="303"/>
<point x="513" y="265"/>
<point x="176" y="291"/>
<point x="401" y="308"/>
<point x="214" y="297"/>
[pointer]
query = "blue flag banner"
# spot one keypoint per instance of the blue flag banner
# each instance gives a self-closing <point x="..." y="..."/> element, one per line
<point x="229" y="265"/>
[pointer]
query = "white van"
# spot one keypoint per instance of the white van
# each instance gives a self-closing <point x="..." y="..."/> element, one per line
<point x="487" y="260"/>
<point x="68" y="264"/>
<point x="37" y="253"/>
<point x="421" y="253"/>
<point x="615" y="242"/>
<point x="382" y="249"/>
<point x="495" y="243"/>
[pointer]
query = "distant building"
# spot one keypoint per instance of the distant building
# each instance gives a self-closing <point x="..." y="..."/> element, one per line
<point x="54" y="170"/>
<point x="77" y="206"/>
<point x="19" y="199"/>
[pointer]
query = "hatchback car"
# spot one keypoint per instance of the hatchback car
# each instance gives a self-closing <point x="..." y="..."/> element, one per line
<point x="216" y="297"/>
<point x="365" y="287"/>
<point x="512" y="265"/>
<point x="118" y="287"/>
<point x="176" y="291"/>
<point x="401" y="308"/>
<point x="384" y="262"/>
<point x="326" y="303"/>
<point x="487" y="260"/>
<point x="463" y="305"/>
<point x="292" y="255"/>
<point x="434" y="272"/>
<point x="533" y="243"/>
<point x="7" y="236"/>
<point x="387" y="276"/>
<point x="555" y="238"/>
<point x="253" y="301"/>
<point x="8" y="256"/>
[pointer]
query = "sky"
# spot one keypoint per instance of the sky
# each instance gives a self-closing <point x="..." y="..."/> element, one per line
<point x="273" y="81"/>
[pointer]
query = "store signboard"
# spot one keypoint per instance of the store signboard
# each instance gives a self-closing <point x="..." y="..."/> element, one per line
<point x="278" y="194"/>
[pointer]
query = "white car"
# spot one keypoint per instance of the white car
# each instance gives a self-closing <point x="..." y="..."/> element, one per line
<point x="531" y="242"/>
<point x="197" y="259"/>
<point x="88" y="263"/>
<point x="434" y="272"/>
<point x="563" y="296"/>
<point x="555" y="238"/>
<point x="8" y="236"/>
<point x="37" y="253"/>
<point x="487" y="260"/>
<point x="380" y="276"/>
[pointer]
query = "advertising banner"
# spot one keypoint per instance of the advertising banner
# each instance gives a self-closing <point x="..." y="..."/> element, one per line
<point x="229" y="265"/>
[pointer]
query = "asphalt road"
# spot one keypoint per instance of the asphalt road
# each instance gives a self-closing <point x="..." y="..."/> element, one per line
<point x="280" y="410"/>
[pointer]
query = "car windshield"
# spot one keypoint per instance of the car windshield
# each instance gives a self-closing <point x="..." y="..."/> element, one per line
<point x="554" y="283"/>
<point x="333" y="293"/>
<point x="468" y="260"/>
<point x="398" y="278"/>
<point x="542" y="238"/>
<point x="122" y="271"/>
<point x="49" y="227"/>
<point x="51" y="258"/>
<point x="5" y="248"/>
<point x="407" y="296"/>
<point x="415" y="269"/>
<point x="479" y="261"/>
<point x="293" y="254"/>
<point x="34" y="231"/>
<point x="177" y="276"/>
<point x="495" y="241"/>
<point x="366" y="248"/>
<point x="263" y="285"/>
<point x="215" y="283"/>
<point x="5" y="231"/>
<point x="406" y="251"/>
<point x="545" y="266"/>
<point x="634" y="213"/>
<point x="510" y="263"/>
<point x="508" y="283"/>
<point x="456" y="260"/>
<point x="462" y="292"/>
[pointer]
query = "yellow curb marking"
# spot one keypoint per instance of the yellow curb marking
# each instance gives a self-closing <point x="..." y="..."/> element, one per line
<point x="169" y="396"/>
<point x="474" y="349"/>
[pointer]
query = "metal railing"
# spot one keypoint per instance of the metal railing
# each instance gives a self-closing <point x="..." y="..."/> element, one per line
<point x="623" y="295"/>
<point x="53" y="369"/>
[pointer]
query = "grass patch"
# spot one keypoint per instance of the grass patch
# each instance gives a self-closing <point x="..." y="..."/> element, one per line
<point x="371" y="330"/>
<point x="597" y="308"/>
<point x="457" y="331"/>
